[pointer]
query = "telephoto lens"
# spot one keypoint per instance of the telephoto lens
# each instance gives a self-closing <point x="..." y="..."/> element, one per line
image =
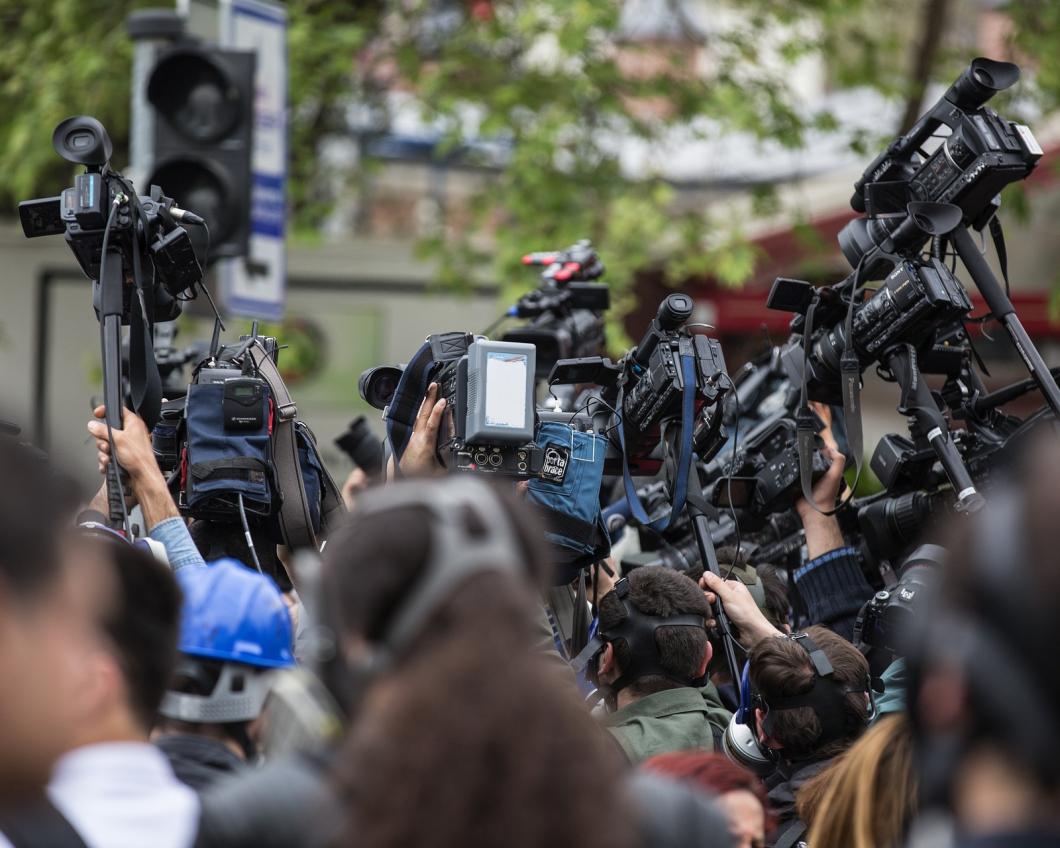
<point x="362" y="446"/>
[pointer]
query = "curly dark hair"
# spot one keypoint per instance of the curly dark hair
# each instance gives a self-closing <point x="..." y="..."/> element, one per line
<point x="477" y="742"/>
<point x="661" y="592"/>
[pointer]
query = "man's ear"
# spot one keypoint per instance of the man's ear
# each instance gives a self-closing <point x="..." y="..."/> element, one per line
<point x="764" y="739"/>
<point x="708" y="655"/>
<point x="605" y="662"/>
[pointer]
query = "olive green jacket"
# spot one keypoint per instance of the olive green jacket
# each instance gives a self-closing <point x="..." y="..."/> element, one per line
<point x="680" y="719"/>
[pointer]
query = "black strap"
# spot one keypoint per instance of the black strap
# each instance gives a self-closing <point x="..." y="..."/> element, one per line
<point x="998" y="235"/>
<point x="408" y="396"/>
<point x="295" y="519"/>
<point x="233" y="468"/>
<point x="567" y="525"/>
<point x="145" y="383"/>
<point x="39" y="825"/>
<point x="791" y="836"/>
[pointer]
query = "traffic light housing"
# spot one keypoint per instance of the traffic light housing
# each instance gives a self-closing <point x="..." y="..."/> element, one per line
<point x="203" y="99"/>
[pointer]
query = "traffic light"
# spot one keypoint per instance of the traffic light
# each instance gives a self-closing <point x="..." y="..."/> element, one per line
<point x="203" y="99"/>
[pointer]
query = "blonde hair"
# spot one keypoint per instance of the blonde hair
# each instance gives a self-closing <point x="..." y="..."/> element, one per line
<point x="867" y="796"/>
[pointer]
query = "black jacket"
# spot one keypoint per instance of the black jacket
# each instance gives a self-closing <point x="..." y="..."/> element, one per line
<point x="197" y="760"/>
<point x="784" y="785"/>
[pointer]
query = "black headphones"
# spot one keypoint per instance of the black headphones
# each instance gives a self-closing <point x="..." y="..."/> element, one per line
<point x="827" y="697"/>
<point x="637" y="630"/>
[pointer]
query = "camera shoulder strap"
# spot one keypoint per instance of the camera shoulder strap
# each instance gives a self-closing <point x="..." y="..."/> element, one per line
<point x="850" y="385"/>
<point x="296" y="522"/>
<point x="409" y="394"/>
<point x="790" y="837"/>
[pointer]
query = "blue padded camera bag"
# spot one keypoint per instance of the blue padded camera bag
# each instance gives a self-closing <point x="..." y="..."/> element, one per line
<point x="572" y="507"/>
<point x="223" y="464"/>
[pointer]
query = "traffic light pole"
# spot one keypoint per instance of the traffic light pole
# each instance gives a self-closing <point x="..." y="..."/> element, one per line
<point x="148" y="29"/>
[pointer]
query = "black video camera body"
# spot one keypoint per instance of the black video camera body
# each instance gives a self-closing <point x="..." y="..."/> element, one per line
<point x="103" y="208"/>
<point x="982" y="154"/>
<point x="566" y="311"/>
<point x="766" y="472"/>
<point x="917" y="300"/>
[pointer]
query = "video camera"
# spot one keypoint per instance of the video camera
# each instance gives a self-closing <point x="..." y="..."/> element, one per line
<point x="489" y="421"/>
<point x="765" y="472"/>
<point x="917" y="300"/>
<point x="235" y="452"/>
<point x="981" y="154"/>
<point x="646" y="388"/>
<point x="140" y="262"/>
<point x="565" y="311"/>
<point x="101" y="213"/>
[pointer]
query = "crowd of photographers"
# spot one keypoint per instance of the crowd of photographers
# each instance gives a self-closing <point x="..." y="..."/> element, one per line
<point x="410" y="691"/>
<point x="424" y="658"/>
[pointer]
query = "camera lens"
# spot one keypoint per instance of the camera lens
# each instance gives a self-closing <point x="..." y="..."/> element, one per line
<point x="377" y="385"/>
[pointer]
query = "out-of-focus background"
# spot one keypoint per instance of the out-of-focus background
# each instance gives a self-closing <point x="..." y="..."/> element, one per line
<point x="702" y="145"/>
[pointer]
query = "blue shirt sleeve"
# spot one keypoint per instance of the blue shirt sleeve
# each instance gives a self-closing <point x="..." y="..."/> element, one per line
<point x="175" y="538"/>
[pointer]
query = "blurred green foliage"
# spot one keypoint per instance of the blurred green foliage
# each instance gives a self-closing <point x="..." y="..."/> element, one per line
<point x="548" y="77"/>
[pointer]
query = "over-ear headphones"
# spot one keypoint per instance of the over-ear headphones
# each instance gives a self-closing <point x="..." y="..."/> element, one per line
<point x="826" y="697"/>
<point x="637" y="631"/>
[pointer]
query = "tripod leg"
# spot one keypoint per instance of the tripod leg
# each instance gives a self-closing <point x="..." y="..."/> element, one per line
<point x="1002" y="307"/>
<point x="918" y="402"/>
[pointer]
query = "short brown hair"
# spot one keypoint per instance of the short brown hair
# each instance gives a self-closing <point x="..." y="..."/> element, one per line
<point x="661" y="592"/>
<point x="780" y="667"/>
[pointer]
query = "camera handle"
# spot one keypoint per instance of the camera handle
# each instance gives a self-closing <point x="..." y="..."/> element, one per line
<point x="709" y="557"/>
<point x="110" y="312"/>
<point x="1001" y="306"/>
<point x="697" y="509"/>
<point x="918" y="402"/>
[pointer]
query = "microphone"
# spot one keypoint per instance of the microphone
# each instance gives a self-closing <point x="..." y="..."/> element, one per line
<point x="185" y="216"/>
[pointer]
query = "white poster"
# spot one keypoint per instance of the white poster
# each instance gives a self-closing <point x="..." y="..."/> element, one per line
<point x="256" y="286"/>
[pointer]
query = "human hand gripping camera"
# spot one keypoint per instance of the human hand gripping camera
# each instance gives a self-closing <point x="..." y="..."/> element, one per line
<point x="136" y="455"/>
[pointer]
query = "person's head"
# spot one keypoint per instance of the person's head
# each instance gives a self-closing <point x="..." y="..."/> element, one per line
<point x="45" y="619"/>
<point x="867" y="796"/>
<point x="677" y="655"/>
<point x="235" y="631"/>
<point x="135" y="648"/>
<point x="984" y="681"/>
<point x="777" y="607"/>
<point x="782" y="670"/>
<point x="740" y="794"/>
<point x="404" y="536"/>
<point x="476" y="741"/>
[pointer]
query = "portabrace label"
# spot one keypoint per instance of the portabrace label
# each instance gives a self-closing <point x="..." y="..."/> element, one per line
<point x="554" y="468"/>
